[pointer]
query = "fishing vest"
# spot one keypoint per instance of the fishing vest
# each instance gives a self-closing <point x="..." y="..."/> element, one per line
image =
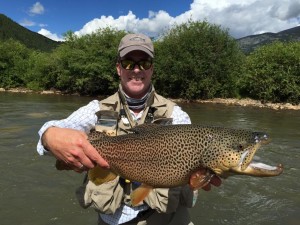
<point x="115" y="114"/>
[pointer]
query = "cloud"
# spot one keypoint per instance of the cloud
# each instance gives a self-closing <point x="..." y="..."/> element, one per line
<point x="43" y="25"/>
<point x="27" y="23"/>
<point x="248" y="16"/>
<point x="50" y="35"/>
<point x="286" y="11"/>
<point x="37" y="8"/>
<point x="153" y="25"/>
<point x="242" y="18"/>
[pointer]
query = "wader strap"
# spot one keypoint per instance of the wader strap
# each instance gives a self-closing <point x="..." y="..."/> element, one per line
<point x="126" y="108"/>
<point x="149" y="102"/>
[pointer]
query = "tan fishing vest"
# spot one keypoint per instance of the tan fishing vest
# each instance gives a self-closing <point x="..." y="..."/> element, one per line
<point x="157" y="107"/>
<point x="106" y="198"/>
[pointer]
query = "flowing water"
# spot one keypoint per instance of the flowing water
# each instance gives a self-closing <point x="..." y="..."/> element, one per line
<point x="33" y="192"/>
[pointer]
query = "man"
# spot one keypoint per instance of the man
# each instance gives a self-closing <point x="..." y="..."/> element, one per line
<point x="136" y="102"/>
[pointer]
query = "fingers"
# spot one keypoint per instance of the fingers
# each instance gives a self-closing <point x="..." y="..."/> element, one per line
<point x="72" y="147"/>
<point x="199" y="179"/>
<point x="216" y="181"/>
<point x="88" y="156"/>
<point x="80" y="169"/>
<point x="204" y="178"/>
<point x="92" y="156"/>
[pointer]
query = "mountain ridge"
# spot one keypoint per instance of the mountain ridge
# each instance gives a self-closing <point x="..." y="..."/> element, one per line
<point x="251" y="42"/>
<point x="12" y="30"/>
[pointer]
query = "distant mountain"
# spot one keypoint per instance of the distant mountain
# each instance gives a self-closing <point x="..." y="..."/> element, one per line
<point x="249" y="43"/>
<point x="10" y="29"/>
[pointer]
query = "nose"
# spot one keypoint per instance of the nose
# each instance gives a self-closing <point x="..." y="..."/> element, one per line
<point x="136" y="68"/>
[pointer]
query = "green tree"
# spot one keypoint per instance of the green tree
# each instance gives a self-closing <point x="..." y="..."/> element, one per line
<point x="197" y="60"/>
<point x="272" y="73"/>
<point x="42" y="71"/>
<point x="87" y="63"/>
<point x="13" y="63"/>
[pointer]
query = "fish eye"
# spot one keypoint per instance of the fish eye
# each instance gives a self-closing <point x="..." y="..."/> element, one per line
<point x="240" y="147"/>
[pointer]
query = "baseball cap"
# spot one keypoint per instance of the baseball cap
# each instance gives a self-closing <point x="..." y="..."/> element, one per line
<point x="132" y="42"/>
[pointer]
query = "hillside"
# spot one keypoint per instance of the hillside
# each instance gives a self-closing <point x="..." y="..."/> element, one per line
<point x="10" y="29"/>
<point x="251" y="42"/>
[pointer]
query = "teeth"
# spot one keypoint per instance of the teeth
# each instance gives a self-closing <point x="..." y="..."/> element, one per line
<point x="243" y="157"/>
<point x="136" y="78"/>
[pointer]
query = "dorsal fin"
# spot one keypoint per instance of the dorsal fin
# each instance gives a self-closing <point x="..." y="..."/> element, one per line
<point x="150" y="126"/>
<point x="143" y="128"/>
<point x="96" y="135"/>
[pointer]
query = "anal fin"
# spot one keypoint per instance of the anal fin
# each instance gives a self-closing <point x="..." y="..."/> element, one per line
<point x="139" y="194"/>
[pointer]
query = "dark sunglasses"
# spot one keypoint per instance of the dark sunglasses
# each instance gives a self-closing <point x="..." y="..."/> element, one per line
<point x="128" y="64"/>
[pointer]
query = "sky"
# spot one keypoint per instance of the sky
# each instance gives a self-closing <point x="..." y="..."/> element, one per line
<point x="53" y="18"/>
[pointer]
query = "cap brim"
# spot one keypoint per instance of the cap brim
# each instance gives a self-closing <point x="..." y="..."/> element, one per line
<point x="125" y="51"/>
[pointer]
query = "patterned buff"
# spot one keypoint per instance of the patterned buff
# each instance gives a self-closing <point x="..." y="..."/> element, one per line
<point x="134" y="103"/>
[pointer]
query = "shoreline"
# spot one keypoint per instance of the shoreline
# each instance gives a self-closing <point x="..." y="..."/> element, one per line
<point x="245" y="102"/>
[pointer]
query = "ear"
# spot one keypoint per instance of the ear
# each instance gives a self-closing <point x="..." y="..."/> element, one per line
<point x="118" y="67"/>
<point x="152" y="68"/>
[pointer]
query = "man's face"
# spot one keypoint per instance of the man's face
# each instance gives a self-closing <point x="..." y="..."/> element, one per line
<point x="135" y="82"/>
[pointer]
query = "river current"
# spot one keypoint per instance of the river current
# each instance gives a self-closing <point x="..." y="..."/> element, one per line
<point x="33" y="192"/>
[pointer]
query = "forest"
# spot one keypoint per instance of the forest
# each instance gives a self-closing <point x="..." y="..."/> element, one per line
<point x="194" y="60"/>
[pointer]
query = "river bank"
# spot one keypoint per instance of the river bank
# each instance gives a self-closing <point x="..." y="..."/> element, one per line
<point x="246" y="102"/>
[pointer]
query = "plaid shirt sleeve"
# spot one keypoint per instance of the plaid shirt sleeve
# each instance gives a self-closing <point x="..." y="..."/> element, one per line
<point x="179" y="116"/>
<point x="83" y="119"/>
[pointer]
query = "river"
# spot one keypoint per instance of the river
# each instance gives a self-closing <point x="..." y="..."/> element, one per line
<point x="33" y="192"/>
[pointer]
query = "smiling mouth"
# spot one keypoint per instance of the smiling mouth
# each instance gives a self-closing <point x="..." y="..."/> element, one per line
<point x="136" y="78"/>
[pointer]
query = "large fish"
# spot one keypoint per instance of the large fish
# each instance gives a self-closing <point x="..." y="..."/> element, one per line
<point x="166" y="156"/>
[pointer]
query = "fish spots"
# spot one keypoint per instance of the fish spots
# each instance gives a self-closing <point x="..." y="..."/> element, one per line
<point x="164" y="156"/>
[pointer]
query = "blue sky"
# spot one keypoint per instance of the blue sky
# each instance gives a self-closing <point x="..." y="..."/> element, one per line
<point x="53" y="18"/>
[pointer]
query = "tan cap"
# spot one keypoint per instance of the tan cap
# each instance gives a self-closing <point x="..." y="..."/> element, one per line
<point x="132" y="42"/>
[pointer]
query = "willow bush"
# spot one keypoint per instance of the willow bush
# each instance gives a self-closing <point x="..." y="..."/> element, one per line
<point x="87" y="64"/>
<point x="197" y="60"/>
<point x="272" y="73"/>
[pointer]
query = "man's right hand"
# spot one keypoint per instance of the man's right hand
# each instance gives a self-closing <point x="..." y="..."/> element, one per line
<point x="72" y="147"/>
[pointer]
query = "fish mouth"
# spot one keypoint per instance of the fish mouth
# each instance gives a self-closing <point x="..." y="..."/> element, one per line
<point x="263" y="170"/>
<point x="248" y="164"/>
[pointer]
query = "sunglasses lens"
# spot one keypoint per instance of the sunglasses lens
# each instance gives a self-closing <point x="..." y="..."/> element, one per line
<point x="129" y="64"/>
<point x="145" y="65"/>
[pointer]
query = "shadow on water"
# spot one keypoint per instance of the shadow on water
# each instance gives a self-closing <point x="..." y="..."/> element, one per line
<point x="34" y="193"/>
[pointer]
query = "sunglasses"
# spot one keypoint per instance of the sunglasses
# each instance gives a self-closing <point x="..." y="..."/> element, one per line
<point x="128" y="64"/>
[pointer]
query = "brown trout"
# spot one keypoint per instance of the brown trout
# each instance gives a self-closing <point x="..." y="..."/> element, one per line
<point x="166" y="156"/>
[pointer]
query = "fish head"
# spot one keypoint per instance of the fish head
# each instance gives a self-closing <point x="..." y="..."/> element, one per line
<point x="234" y="151"/>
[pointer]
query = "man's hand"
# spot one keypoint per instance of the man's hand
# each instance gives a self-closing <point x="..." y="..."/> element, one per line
<point x="72" y="147"/>
<point x="203" y="178"/>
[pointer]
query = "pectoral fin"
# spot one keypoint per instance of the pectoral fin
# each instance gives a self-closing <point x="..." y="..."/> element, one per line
<point x="99" y="175"/>
<point x="139" y="194"/>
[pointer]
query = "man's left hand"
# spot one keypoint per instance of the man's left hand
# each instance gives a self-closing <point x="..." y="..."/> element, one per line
<point x="203" y="178"/>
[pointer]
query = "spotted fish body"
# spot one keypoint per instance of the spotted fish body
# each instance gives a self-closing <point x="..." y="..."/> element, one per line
<point x="166" y="156"/>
